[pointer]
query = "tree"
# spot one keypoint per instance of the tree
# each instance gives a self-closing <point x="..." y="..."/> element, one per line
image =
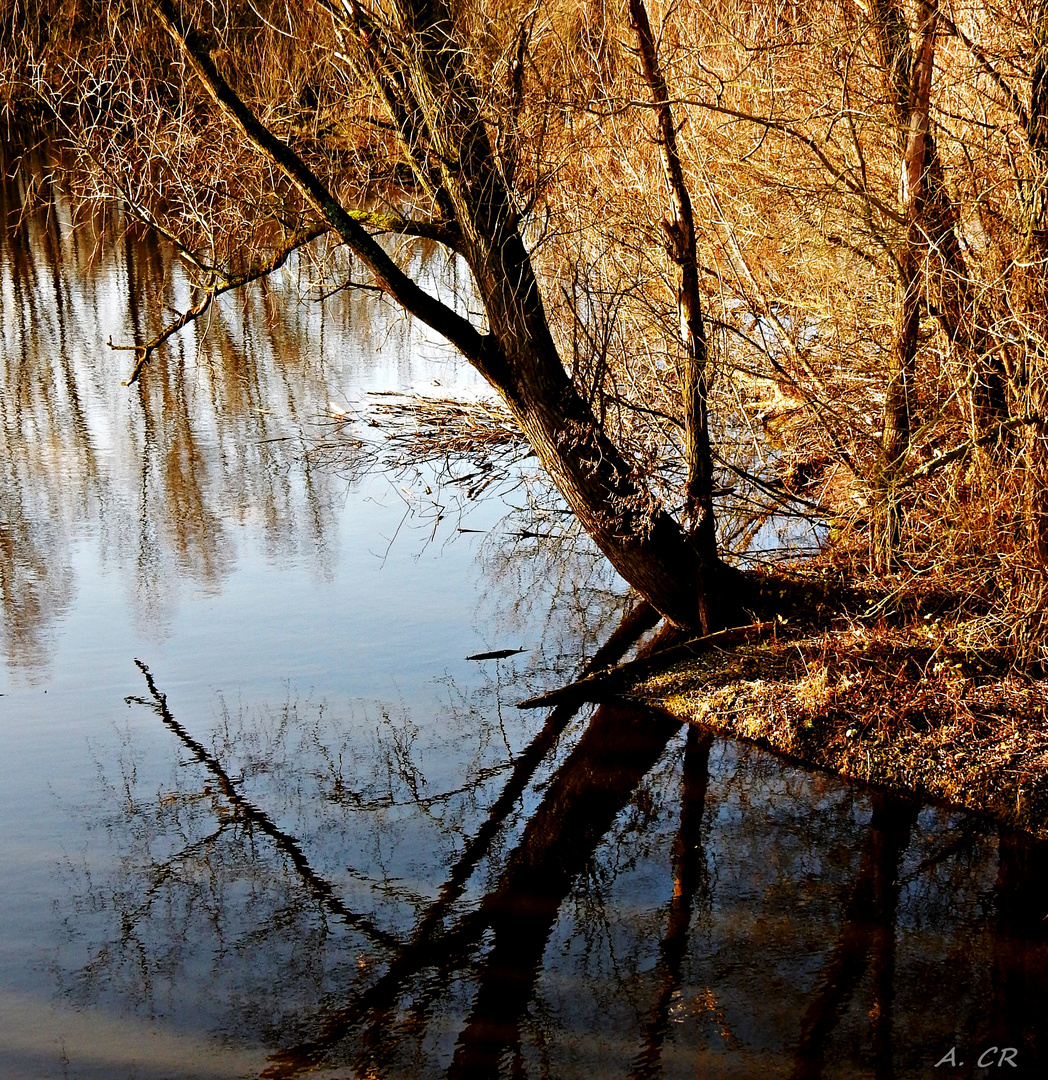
<point x="413" y="63"/>
<point x="745" y="270"/>
<point x="918" y="166"/>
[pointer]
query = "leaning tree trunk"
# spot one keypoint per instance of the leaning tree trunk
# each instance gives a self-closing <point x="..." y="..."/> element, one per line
<point x="609" y="498"/>
<point x="415" y="66"/>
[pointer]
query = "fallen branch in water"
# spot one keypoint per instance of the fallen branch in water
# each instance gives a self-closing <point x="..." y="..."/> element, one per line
<point x="472" y="443"/>
<point x="604" y="684"/>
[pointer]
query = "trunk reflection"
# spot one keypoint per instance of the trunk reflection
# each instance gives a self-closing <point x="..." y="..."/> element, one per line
<point x="621" y="744"/>
<point x="868" y="936"/>
<point x="689" y="879"/>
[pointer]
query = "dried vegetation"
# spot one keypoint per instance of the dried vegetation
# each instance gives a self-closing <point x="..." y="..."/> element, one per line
<point x="881" y="706"/>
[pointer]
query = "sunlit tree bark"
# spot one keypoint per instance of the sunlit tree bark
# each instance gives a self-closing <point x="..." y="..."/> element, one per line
<point x="933" y="242"/>
<point x="1036" y="272"/>
<point x="902" y="371"/>
<point x="683" y="251"/>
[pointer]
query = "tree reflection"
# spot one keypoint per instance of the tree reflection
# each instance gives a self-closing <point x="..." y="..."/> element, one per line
<point x="633" y="902"/>
<point x="594" y="784"/>
<point x="213" y="438"/>
<point x="868" y="936"/>
<point x="1014" y="1012"/>
<point x="245" y="811"/>
<point x="690" y="877"/>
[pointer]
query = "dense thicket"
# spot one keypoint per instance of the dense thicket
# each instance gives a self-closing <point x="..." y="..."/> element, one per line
<point x="868" y="189"/>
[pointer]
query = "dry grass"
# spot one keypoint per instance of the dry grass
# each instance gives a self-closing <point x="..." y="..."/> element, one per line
<point x="431" y="427"/>
<point x="908" y="709"/>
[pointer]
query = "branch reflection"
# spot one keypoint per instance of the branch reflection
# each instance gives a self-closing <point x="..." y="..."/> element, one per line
<point x="623" y="904"/>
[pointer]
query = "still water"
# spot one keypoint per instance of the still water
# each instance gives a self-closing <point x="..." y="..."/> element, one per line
<point x="262" y="817"/>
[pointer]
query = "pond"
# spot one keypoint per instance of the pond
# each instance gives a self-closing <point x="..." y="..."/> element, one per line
<point x="263" y="816"/>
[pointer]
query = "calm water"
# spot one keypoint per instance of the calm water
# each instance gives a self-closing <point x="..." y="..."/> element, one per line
<point x="261" y="817"/>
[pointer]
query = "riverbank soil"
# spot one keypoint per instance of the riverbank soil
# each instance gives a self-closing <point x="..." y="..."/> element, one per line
<point x="883" y="686"/>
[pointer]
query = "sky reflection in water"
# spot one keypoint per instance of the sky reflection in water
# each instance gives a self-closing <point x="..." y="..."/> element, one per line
<point x="305" y="836"/>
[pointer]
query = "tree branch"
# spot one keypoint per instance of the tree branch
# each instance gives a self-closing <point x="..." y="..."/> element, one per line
<point x="965" y="448"/>
<point x="220" y="283"/>
<point x="476" y="346"/>
<point x="1015" y="103"/>
<point x="838" y="174"/>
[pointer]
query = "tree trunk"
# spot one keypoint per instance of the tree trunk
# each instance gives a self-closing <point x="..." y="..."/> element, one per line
<point x="895" y="442"/>
<point x="1036" y="262"/>
<point x="698" y="500"/>
<point x="947" y="282"/>
<point x="1032" y="624"/>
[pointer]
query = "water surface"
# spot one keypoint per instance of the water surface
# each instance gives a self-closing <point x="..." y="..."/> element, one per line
<point x="261" y="817"/>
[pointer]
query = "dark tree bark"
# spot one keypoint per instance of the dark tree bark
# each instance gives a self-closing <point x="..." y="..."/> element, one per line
<point x="415" y="66"/>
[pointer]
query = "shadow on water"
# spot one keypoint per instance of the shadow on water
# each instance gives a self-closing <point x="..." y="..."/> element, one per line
<point x="873" y="981"/>
<point x="595" y="782"/>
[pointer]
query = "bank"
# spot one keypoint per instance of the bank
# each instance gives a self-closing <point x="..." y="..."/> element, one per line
<point x="904" y="707"/>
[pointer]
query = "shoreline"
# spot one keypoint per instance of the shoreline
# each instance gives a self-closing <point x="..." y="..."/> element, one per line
<point x="881" y="706"/>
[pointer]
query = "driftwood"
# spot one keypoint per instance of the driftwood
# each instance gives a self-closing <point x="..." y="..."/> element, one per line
<point x="602" y="685"/>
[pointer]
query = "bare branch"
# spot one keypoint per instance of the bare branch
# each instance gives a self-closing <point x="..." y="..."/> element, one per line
<point x="435" y="314"/>
<point x="1015" y="102"/>
<point x="219" y="284"/>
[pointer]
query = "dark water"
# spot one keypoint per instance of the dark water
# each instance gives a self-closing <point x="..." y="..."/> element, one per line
<point x="261" y="817"/>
